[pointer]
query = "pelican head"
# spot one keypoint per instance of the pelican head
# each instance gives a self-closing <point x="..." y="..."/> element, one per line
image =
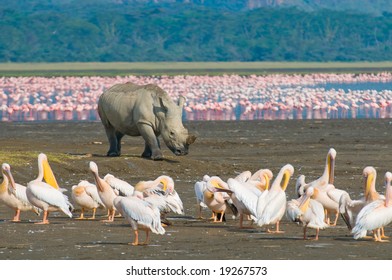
<point x="6" y="170"/>
<point x="216" y="184"/>
<point x="93" y="167"/>
<point x="299" y="185"/>
<point x="288" y="171"/>
<point x="45" y="171"/>
<point x="369" y="174"/>
<point x="167" y="183"/>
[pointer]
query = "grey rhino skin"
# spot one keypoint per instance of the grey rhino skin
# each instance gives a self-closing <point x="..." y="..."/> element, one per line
<point x="147" y="111"/>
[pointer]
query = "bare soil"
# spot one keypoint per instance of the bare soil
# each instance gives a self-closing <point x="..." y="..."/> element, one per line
<point x="222" y="148"/>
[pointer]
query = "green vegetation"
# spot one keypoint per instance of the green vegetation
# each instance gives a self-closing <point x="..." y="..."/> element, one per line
<point x="63" y="31"/>
<point x="186" y="68"/>
<point x="21" y="158"/>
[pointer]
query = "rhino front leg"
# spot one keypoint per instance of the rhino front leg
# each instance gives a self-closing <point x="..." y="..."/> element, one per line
<point x="151" y="148"/>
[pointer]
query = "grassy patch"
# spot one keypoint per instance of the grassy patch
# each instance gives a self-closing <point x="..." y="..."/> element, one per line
<point x="187" y="68"/>
<point x="22" y="158"/>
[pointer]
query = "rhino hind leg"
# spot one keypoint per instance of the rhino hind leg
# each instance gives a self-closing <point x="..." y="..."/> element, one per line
<point x="115" y="144"/>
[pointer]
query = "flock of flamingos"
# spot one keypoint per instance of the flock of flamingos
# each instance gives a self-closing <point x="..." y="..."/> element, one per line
<point x="255" y="198"/>
<point x="227" y="97"/>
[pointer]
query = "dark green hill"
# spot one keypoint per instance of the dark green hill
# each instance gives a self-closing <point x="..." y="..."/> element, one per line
<point x="104" y="30"/>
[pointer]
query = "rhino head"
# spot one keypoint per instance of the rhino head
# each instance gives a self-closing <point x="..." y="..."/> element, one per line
<point x="174" y="134"/>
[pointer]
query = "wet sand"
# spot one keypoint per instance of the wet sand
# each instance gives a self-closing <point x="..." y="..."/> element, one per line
<point x="222" y="148"/>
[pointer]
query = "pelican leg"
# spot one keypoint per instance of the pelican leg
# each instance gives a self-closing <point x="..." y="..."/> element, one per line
<point x="242" y="221"/>
<point x="317" y="234"/>
<point x="111" y="214"/>
<point x="378" y="234"/>
<point x="200" y="216"/>
<point x="221" y="217"/>
<point x="93" y="217"/>
<point x="17" y="216"/>
<point x="276" y="229"/>
<point x="212" y="216"/>
<point x="383" y="233"/>
<point x="327" y="220"/>
<point x="336" y="219"/>
<point x="81" y="217"/>
<point x="45" y="220"/>
<point x="147" y="237"/>
<point x="136" y="239"/>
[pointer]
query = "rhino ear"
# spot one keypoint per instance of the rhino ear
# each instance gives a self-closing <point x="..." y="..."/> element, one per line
<point x="181" y="101"/>
<point x="163" y="105"/>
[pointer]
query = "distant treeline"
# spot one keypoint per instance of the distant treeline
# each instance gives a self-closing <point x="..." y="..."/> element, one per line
<point x="178" y="32"/>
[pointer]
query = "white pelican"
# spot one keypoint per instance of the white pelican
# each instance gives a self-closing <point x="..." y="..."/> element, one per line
<point x="14" y="195"/>
<point x="140" y="214"/>
<point x="215" y="197"/>
<point x="376" y="214"/>
<point x="106" y="193"/>
<point x="307" y="211"/>
<point x="249" y="198"/>
<point x="200" y="187"/>
<point x="349" y="209"/>
<point x="47" y="195"/>
<point x="327" y="195"/>
<point x="122" y="187"/>
<point x="86" y="196"/>
<point x="275" y="200"/>
<point x="162" y="186"/>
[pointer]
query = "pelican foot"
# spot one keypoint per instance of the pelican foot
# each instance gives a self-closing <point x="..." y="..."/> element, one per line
<point x="275" y="231"/>
<point x="42" y="223"/>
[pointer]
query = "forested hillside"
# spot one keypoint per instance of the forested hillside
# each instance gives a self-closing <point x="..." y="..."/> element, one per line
<point x="58" y="31"/>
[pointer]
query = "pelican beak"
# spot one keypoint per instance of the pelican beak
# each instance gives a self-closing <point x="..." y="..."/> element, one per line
<point x="267" y="182"/>
<point x="285" y="181"/>
<point x="304" y="205"/>
<point x="48" y="174"/>
<point x="331" y="167"/>
<point x="223" y="190"/>
<point x="219" y="188"/>
<point x="368" y="182"/>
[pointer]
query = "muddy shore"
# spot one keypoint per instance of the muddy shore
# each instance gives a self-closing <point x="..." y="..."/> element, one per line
<point x="222" y="148"/>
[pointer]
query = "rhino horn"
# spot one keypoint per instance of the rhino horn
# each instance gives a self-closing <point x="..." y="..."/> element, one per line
<point x="190" y="139"/>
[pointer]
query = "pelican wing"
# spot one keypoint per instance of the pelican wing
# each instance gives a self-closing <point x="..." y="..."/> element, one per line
<point x="200" y="187"/>
<point x="244" y="195"/>
<point x="273" y="207"/>
<point x="175" y="203"/>
<point x="349" y="209"/>
<point x="293" y="213"/>
<point x="92" y="191"/>
<point x="317" y="215"/>
<point x="20" y="194"/>
<point x="51" y="196"/>
<point x="159" y="202"/>
<point x="124" y="188"/>
<point x="372" y="216"/>
<point x="143" y="212"/>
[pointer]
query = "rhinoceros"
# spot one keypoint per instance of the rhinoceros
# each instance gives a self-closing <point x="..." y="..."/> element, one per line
<point x="147" y="111"/>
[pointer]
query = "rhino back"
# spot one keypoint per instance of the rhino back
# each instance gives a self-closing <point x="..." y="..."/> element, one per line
<point x="124" y="105"/>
